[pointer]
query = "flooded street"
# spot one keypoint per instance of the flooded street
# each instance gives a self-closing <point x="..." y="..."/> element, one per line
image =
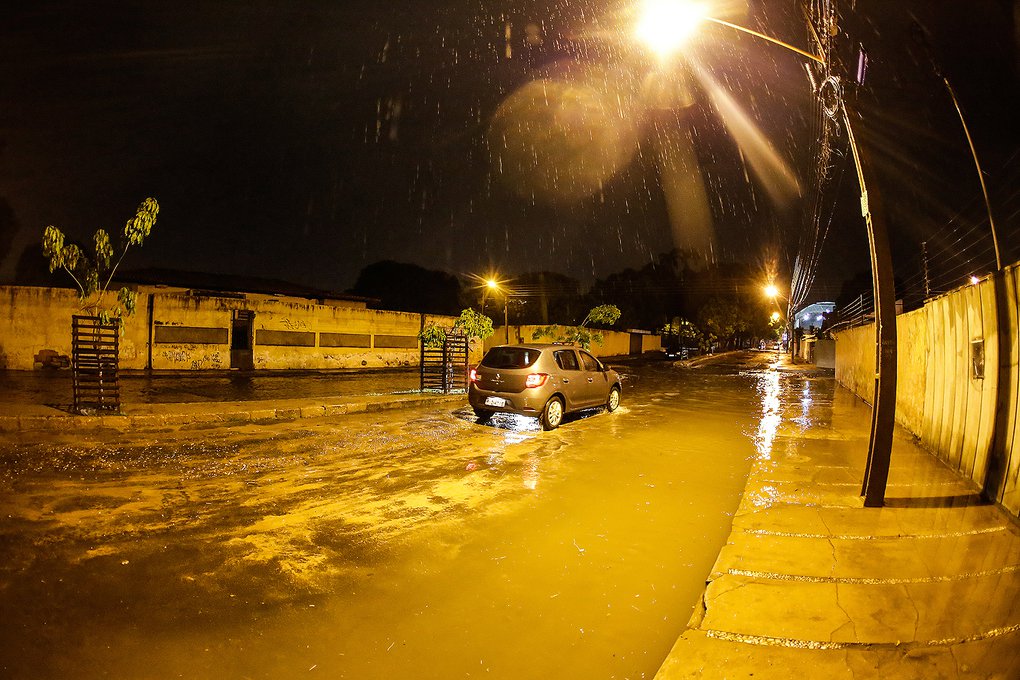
<point x="401" y="544"/>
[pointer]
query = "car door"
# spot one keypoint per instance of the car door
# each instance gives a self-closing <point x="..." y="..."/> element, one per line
<point x="572" y="378"/>
<point x="595" y="383"/>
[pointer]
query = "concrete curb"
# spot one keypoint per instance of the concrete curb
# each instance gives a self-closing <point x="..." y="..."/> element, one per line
<point x="161" y="416"/>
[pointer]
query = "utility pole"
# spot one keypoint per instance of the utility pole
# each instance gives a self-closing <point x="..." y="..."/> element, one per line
<point x="883" y="413"/>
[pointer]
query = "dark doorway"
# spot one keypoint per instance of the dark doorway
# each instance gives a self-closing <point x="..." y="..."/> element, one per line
<point x="242" y="332"/>
<point x="636" y="342"/>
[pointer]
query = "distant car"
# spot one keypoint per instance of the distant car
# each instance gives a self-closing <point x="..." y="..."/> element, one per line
<point x="542" y="381"/>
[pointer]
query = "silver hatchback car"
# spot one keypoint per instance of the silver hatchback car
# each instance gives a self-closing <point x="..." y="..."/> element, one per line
<point x="544" y="381"/>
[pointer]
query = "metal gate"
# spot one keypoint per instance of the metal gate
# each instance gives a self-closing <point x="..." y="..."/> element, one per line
<point x="445" y="369"/>
<point x="95" y="349"/>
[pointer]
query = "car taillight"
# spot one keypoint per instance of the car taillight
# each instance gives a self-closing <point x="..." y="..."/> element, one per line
<point x="474" y="375"/>
<point x="535" y="379"/>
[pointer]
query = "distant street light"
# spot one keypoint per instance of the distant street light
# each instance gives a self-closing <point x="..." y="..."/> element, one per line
<point x="495" y="287"/>
<point x="772" y="292"/>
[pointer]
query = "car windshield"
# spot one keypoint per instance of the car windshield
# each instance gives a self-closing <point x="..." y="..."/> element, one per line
<point x="510" y="357"/>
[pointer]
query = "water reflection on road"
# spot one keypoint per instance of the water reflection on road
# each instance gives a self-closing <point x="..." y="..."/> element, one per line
<point x="408" y="544"/>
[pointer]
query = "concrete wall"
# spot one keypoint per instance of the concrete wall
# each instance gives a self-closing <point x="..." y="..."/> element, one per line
<point x="651" y="343"/>
<point x="818" y="351"/>
<point x="186" y="313"/>
<point x="35" y="328"/>
<point x="193" y="331"/>
<point x="614" y="343"/>
<point x="825" y="353"/>
<point x="966" y="417"/>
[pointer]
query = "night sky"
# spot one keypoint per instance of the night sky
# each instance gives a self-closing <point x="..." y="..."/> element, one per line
<point x="303" y="141"/>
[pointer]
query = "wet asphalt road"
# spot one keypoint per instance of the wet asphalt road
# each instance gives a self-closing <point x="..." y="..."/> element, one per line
<point x="411" y="543"/>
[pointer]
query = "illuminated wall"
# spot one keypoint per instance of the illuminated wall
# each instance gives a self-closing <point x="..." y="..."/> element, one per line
<point x="185" y="330"/>
<point x="614" y="343"/>
<point x="950" y="392"/>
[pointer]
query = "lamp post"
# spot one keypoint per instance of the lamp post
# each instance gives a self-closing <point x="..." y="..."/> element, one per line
<point x="775" y="320"/>
<point x="664" y="27"/>
<point x="493" y="285"/>
<point x="772" y="292"/>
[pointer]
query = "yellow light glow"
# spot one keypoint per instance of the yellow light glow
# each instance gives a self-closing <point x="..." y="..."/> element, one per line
<point x="664" y="25"/>
<point x="771" y="290"/>
<point x="775" y="316"/>
<point x="492" y="284"/>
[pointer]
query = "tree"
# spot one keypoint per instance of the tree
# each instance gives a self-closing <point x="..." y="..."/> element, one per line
<point x="647" y="296"/>
<point x="582" y="334"/>
<point x="541" y="297"/>
<point x="473" y="324"/>
<point x="93" y="273"/>
<point x="409" y="288"/>
<point x="686" y="334"/>
<point x="721" y="320"/>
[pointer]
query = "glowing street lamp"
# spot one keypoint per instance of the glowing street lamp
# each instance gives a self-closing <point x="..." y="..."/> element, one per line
<point x="776" y="316"/>
<point x="493" y="285"/>
<point x="666" y="24"/>
<point x="772" y="292"/>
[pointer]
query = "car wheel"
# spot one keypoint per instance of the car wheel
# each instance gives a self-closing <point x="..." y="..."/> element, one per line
<point x="552" y="414"/>
<point x="613" y="402"/>
<point x="482" y="415"/>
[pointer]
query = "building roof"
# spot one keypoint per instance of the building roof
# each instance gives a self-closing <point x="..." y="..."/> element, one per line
<point x="231" y="283"/>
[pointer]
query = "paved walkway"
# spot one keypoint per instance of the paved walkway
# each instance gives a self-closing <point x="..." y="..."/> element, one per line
<point x="813" y="585"/>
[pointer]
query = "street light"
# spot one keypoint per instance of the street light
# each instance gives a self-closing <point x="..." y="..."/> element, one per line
<point x="665" y="25"/>
<point x="493" y="285"/>
<point x="772" y="292"/>
<point x="884" y="410"/>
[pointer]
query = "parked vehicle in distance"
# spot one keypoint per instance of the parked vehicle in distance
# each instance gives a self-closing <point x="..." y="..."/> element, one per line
<point x="542" y="381"/>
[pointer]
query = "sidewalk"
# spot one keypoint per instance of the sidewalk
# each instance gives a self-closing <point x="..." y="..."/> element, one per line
<point x="813" y="585"/>
<point x="36" y="403"/>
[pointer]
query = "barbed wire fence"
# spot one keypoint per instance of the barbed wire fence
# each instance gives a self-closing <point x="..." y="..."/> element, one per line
<point x="959" y="253"/>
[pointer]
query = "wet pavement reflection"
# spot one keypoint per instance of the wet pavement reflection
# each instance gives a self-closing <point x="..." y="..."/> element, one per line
<point x="404" y="544"/>
<point x="54" y="387"/>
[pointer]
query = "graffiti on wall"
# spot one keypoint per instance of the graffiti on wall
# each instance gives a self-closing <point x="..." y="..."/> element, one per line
<point x="295" y="324"/>
<point x="189" y="356"/>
